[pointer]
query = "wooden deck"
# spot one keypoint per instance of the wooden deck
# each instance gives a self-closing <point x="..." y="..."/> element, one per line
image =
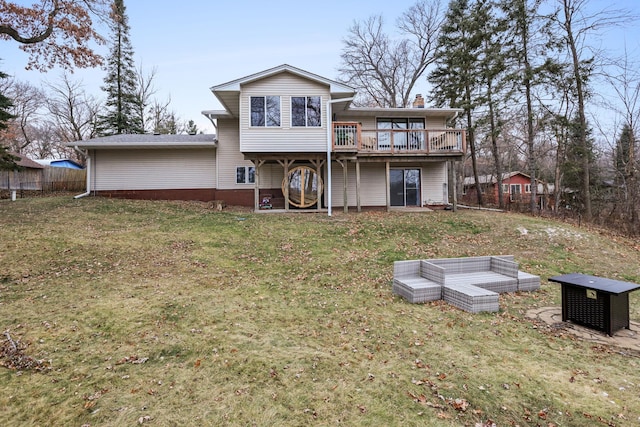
<point x="349" y="137"/>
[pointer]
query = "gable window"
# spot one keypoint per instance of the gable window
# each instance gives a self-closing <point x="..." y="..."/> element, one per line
<point x="265" y="111"/>
<point x="245" y="175"/>
<point x="306" y="111"/>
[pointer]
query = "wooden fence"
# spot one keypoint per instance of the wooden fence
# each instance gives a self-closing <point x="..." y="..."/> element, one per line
<point x="46" y="180"/>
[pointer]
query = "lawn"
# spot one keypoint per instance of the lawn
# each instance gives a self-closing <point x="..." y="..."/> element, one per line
<point x="166" y="313"/>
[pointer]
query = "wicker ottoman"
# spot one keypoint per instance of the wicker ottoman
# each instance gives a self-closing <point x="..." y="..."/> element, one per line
<point x="417" y="289"/>
<point x="471" y="298"/>
<point x="528" y="282"/>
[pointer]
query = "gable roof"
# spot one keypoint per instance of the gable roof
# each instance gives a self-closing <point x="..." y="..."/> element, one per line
<point x="26" y="162"/>
<point x="227" y="93"/>
<point x="148" y="141"/>
<point x="492" y="178"/>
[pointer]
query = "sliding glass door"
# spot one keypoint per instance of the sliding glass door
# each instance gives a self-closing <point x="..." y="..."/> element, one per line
<point x="405" y="187"/>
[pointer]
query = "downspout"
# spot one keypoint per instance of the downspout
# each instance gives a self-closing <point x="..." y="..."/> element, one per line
<point x="88" y="158"/>
<point x="329" y="140"/>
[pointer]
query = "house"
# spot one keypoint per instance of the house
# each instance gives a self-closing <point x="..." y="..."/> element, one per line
<point x="28" y="177"/>
<point x="516" y="188"/>
<point x="288" y="139"/>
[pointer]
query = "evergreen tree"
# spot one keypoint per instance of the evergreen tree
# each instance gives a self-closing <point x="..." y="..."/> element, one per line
<point x="623" y="154"/>
<point x="192" y="128"/>
<point x="492" y="80"/>
<point x="455" y="76"/>
<point x="7" y="161"/>
<point x="121" y="79"/>
<point x="578" y="155"/>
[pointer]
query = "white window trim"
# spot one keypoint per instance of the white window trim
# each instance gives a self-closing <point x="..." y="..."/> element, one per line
<point x="266" y="126"/>
<point x="306" y="119"/>
<point x="246" y="175"/>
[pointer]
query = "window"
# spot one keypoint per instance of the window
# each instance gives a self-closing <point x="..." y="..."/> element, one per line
<point x="401" y="138"/>
<point x="265" y="111"/>
<point x="245" y="175"/>
<point x="515" y="194"/>
<point x="505" y="188"/>
<point x="527" y="188"/>
<point x="306" y="111"/>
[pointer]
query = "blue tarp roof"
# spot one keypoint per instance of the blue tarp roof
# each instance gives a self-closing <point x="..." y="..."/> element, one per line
<point x="60" y="163"/>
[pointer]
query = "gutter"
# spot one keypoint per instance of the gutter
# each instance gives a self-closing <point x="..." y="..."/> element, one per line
<point x="88" y="158"/>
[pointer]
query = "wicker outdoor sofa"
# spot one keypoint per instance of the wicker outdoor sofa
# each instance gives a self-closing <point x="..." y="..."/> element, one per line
<point x="470" y="283"/>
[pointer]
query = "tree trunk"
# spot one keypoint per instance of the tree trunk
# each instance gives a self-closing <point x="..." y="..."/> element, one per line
<point x="582" y="131"/>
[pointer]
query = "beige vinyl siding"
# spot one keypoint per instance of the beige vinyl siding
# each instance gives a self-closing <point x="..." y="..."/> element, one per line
<point x="435" y="123"/>
<point x="373" y="185"/>
<point x="434" y="176"/>
<point x="284" y="138"/>
<point x="230" y="157"/>
<point x="271" y="176"/>
<point x="367" y="123"/>
<point x="153" y="169"/>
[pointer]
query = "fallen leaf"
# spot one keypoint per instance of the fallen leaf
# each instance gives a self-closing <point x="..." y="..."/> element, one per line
<point x="460" y="404"/>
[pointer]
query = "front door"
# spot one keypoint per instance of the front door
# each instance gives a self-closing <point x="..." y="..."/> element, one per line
<point x="405" y="187"/>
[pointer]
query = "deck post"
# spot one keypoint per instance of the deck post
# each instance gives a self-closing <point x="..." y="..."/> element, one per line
<point x="318" y="165"/>
<point x="256" y="186"/>
<point x="387" y="179"/>
<point x="359" y="207"/>
<point x="455" y="185"/>
<point x="285" y="188"/>
<point x="345" y="195"/>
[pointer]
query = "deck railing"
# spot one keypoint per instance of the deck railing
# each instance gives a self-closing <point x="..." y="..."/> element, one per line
<point x="349" y="136"/>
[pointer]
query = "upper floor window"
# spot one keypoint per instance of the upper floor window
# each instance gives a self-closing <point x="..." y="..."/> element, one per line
<point x="306" y="111"/>
<point x="265" y="111"/>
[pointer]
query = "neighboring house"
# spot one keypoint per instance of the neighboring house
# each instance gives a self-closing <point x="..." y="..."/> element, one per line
<point x="60" y="163"/>
<point x="516" y="188"/>
<point x="288" y="139"/>
<point x="29" y="177"/>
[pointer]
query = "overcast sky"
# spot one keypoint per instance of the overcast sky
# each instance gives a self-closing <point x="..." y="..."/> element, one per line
<point x="196" y="44"/>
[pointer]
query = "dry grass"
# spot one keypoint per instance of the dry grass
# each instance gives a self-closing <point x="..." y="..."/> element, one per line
<point x="172" y="314"/>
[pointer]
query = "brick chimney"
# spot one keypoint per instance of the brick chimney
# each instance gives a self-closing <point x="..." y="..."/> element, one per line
<point x="418" y="102"/>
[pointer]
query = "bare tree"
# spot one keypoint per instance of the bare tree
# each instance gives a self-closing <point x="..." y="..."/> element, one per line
<point x="576" y="23"/>
<point x="54" y="32"/>
<point x="71" y="110"/>
<point x="624" y="82"/>
<point x="163" y="120"/>
<point x="386" y="70"/>
<point x="28" y="101"/>
<point x="145" y="90"/>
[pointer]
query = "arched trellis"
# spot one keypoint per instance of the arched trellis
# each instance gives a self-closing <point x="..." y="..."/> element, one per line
<point x="303" y="186"/>
<point x="308" y="168"/>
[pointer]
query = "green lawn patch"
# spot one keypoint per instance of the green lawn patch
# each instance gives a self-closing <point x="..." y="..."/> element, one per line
<point x="166" y="313"/>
